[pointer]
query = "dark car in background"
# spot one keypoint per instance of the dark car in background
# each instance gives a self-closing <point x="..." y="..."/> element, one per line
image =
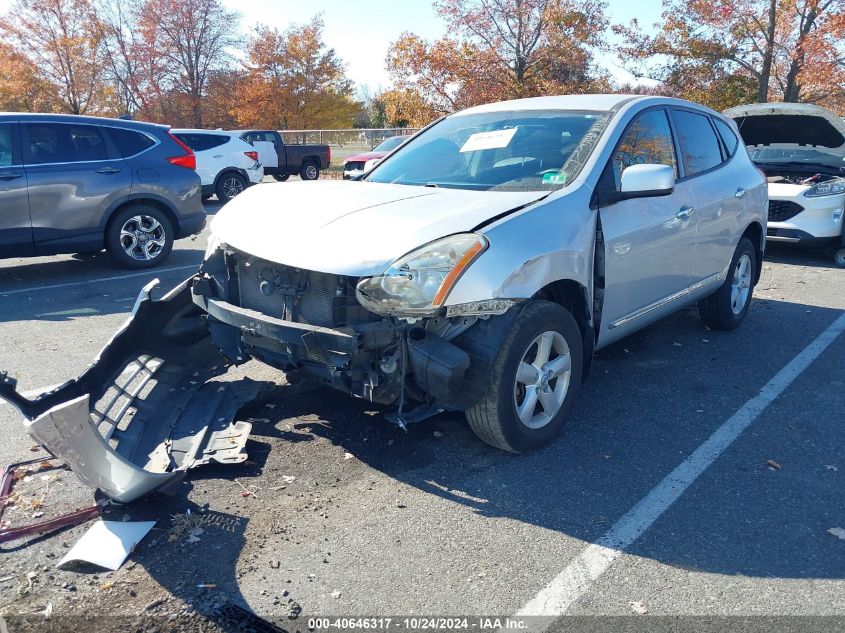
<point x="76" y="184"/>
<point x="288" y="158"/>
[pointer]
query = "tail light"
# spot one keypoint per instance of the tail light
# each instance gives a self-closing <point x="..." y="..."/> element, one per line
<point x="252" y="155"/>
<point x="187" y="160"/>
<point x="329" y="160"/>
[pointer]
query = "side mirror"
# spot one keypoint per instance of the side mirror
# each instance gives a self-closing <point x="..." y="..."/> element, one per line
<point x="644" y="181"/>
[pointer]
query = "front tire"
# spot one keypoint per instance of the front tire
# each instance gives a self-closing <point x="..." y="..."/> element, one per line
<point x="533" y="382"/>
<point x="230" y="185"/>
<point x="140" y="236"/>
<point x="726" y="308"/>
<point x="309" y="171"/>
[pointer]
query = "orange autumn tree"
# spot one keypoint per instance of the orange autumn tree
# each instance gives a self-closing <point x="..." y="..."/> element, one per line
<point x="502" y="49"/>
<point x="724" y="52"/>
<point x="61" y="38"/>
<point x="294" y="81"/>
<point x="22" y="88"/>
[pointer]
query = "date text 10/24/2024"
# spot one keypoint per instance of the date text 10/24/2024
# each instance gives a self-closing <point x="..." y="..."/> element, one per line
<point x="419" y="623"/>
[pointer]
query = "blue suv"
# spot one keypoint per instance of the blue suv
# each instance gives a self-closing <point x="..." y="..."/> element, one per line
<point x="75" y="184"/>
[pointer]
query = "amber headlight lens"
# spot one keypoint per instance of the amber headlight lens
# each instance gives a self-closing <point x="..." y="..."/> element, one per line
<point x="419" y="282"/>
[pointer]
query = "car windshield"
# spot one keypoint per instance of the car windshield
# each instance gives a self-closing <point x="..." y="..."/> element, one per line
<point x="539" y="150"/>
<point x="809" y="156"/>
<point x="389" y="143"/>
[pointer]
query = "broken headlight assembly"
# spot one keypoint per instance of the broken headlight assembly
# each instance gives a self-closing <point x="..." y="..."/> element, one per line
<point x="418" y="283"/>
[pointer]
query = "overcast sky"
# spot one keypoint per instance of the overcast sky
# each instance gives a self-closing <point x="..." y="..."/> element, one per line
<point x="361" y="31"/>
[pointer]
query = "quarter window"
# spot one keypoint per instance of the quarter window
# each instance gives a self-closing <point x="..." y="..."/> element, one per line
<point x="64" y="143"/>
<point x="5" y="145"/>
<point x="699" y="146"/>
<point x="647" y="140"/>
<point x="202" y="142"/>
<point x="728" y="137"/>
<point x="129" y="143"/>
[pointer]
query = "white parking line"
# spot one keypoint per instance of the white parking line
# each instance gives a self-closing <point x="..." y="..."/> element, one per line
<point x="149" y="273"/>
<point x="577" y="577"/>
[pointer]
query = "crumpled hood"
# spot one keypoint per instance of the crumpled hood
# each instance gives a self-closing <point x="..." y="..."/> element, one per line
<point x="789" y="125"/>
<point x="352" y="228"/>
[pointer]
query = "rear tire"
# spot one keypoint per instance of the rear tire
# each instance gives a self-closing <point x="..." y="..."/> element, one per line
<point x="140" y="236"/>
<point x="281" y="177"/>
<point x="505" y="416"/>
<point x="309" y="171"/>
<point x="726" y="308"/>
<point x="839" y="257"/>
<point x="229" y="185"/>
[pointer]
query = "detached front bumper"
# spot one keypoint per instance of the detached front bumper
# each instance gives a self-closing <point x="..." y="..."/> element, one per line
<point x="149" y="408"/>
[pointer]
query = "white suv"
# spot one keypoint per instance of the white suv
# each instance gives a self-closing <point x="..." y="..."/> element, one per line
<point x="226" y="163"/>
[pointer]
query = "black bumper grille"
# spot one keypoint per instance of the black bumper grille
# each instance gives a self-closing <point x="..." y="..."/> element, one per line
<point x="354" y="164"/>
<point x="782" y="210"/>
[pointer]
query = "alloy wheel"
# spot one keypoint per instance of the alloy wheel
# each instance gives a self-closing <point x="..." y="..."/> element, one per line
<point x="143" y="237"/>
<point x="542" y="379"/>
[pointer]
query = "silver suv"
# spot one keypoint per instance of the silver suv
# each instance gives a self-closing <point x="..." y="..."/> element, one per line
<point x="73" y="184"/>
<point x="475" y="269"/>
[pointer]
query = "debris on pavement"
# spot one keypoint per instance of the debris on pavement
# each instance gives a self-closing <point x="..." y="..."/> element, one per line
<point x="832" y="467"/>
<point x="23" y="471"/>
<point x="108" y="544"/>
<point x="773" y="465"/>
<point x="638" y="607"/>
<point x="143" y="414"/>
<point x="838" y="532"/>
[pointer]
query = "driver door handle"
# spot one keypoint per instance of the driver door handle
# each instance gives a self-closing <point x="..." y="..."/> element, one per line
<point x="685" y="213"/>
<point x="740" y="192"/>
<point x="10" y="175"/>
<point x="108" y="170"/>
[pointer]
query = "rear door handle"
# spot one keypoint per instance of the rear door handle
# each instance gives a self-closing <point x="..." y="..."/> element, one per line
<point x="741" y="192"/>
<point x="11" y="175"/>
<point x="108" y="170"/>
<point x="218" y="156"/>
<point x="685" y="213"/>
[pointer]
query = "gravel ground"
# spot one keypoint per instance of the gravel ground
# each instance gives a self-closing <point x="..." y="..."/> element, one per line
<point x="338" y="513"/>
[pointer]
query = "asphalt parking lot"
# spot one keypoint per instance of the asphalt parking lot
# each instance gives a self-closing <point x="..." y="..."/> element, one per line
<point x="348" y="515"/>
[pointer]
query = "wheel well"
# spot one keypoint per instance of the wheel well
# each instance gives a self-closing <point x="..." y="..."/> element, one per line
<point x="228" y="170"/>
<point x="754" y="232"/>
<point x="573" y="296"/>
<point x="148" y="201"/>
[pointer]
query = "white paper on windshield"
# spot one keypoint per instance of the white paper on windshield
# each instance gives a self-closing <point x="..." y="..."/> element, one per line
<point x="488" y="140"/>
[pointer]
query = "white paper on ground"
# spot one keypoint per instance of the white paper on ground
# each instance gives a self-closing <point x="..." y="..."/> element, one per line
<point x="108" y="543"/>
<point x="488" y="140"/>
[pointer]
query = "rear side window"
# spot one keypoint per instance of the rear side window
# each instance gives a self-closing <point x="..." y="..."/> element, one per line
<point x="64" y="143"/>
<point x="699" y="145"/>
<point x="202" y="142"/>
<point x="728" y="137"/>
<point x="129" y="142"/>
<point x="6" y="144"/>
<point x="648" y="140"/>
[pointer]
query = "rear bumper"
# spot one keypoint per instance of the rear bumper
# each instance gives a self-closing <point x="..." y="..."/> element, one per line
<point x="191" y="224"/>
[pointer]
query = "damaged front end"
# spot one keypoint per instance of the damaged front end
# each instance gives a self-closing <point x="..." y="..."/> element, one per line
<point x="316" y="324"/>
<point x="155" y="402"/>
<point x="149" y="407"/>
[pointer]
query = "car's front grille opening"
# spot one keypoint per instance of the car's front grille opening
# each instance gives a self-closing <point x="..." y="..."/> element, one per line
<point x="782" y="210"/>
<point x="354" y="164"/>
